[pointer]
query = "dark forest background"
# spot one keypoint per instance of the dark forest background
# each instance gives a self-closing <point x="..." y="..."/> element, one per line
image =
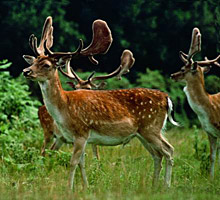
<point x="155" y="31"/>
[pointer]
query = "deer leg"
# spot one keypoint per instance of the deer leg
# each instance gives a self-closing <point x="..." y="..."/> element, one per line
<point x="46" y="141"/>
<point x="82" y="169"/>
<point x="95" y="151"/>
<point x="78" y="151"/>
<point x="159" y="144"/>
<point x="57" y="144"/>
<point x="157" y="157"/>
<point x="213" y="149"/>
<point x="168" y="153"/>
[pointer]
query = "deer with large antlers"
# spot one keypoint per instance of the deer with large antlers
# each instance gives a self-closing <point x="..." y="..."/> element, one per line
<point x="206" y="106"/>
<point x="102" y="117"/>
<point x="47" y="122"/>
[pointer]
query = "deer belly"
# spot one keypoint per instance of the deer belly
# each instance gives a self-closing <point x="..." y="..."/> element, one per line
<point x="209" y="127"/>
<point x="108" y="140"/>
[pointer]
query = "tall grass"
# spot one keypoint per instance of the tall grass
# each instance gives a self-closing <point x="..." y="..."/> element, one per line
<point x="122" y="173"/>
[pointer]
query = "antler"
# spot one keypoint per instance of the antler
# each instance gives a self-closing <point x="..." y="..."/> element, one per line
<point x="207" y="62"/>
<point x="195" y="47"/>
<point x="46" y="38"/>
<point x="87" y="84"/>
<point x="101" y="42"/>
<point x="127" y="61"/>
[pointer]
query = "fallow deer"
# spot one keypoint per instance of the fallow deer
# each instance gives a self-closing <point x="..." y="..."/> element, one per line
<point x="47" y="122"/>
<point x="206" y="106"/>
<point x="102" y="117"/>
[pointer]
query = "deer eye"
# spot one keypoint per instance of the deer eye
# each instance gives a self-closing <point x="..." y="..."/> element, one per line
<point x="46" y="66"/>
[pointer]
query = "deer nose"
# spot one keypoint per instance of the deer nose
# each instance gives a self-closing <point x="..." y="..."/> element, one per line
<point x="27" y="72"/>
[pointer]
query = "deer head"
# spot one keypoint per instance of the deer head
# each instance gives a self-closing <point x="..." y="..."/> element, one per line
<point x="127" y="61"/>
<point x="192" y="69"/>
<point x="44" y="65"/>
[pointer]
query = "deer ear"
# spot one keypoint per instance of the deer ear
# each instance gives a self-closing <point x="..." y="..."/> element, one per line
<point x="29" y="59"/>
<point x="206" y="69"/>
<point x="194" y="66"/>
<point x="62" y="60"/>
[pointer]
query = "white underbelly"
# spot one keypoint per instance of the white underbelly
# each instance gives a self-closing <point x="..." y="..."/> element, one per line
<point x="108" y="140"/>
<point x="95" y="138"/>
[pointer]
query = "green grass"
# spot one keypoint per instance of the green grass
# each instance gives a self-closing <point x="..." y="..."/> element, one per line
<point x="122" y="173"/>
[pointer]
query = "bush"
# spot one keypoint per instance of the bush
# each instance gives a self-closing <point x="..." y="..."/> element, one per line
<point x="18" y="117"/>
<point x="15" y="101"/>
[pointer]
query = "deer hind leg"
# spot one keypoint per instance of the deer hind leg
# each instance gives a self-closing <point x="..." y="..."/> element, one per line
<point x="213" y="149"/>
<point x="157" y="157"/>
<point x="47" y="139"/>
<point x="95" y="151"/>
<point x="159" y="144"/>
<point x="57" y="144"/>
<point x="78" y="151"/>
<point x="82" y="170"/>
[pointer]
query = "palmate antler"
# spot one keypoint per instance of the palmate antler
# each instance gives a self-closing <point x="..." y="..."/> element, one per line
<point x="195" y="47"/>
<point x="127" y="61"/>
<point x="46" y="38"/>
<point x="101" y="42"/>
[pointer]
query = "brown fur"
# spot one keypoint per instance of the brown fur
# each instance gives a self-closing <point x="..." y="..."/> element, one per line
<point x="117" y="114"/>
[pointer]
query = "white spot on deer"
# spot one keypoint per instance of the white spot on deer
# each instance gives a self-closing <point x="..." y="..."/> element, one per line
<point x="149" y="116"/>
<point x="91" y="121"/>
<point x="142" y="103"/>
<point x="131" y="98"/>
<point x="150" y="102"/>
<point x="137" y="107"/>
<point x="133" y="111"/>
<point x="144" y="110"/>
<point x="151" y="109"/>
<point x="139" y="113"/>
<point x="143" y="117"/>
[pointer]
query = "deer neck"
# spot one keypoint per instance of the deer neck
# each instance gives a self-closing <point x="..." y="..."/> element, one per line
<point x="197" y="96"/>
<point x="53" y="94"/>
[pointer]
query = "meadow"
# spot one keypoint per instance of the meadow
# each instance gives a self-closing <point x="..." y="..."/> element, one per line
<point x="121" y="173"/>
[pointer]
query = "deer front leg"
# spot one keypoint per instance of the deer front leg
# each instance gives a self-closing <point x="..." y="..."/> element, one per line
<point x="213" y="149"/>
<point x="78" y="151"/>
<point x="82" y="169"/>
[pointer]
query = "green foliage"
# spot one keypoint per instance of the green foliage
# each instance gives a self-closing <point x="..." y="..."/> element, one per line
<point x="15" y="101"/>
<point x="212" y="84"/>
<point x="201" y="151"/>
<point x="37" y="177"/>
<point x="18" y="120"/>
